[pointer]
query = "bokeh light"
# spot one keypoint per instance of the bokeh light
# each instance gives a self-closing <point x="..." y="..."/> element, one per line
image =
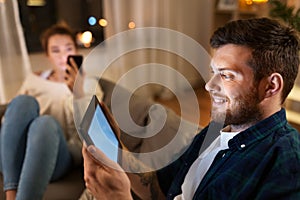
<point x="103" y="22"/>
<point x="85" y="38"/>
<point x="131" y="25"/>
<point x="92" y="20"/>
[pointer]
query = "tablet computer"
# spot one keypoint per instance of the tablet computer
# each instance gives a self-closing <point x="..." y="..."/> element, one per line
<point x="95" y="129"/>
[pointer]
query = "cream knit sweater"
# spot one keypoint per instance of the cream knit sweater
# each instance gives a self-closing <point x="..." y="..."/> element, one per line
<point x="56" y="99"/>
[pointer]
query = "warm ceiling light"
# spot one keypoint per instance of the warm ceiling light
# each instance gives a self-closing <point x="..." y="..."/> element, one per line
<point x="250" y="2"/>
<point x="260" y="1"/>
<point x="36" y="2"/>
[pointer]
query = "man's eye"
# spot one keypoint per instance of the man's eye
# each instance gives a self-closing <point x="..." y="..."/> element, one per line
<point x="226" y="76"/>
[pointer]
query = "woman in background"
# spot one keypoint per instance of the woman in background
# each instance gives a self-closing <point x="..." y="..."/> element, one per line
<point x="38" y="140"/>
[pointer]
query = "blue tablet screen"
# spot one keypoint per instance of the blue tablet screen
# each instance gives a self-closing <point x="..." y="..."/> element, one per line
<point x="103" y="136"/>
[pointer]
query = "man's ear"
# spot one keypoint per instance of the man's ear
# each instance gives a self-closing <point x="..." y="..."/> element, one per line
<point x="274" y="85"/>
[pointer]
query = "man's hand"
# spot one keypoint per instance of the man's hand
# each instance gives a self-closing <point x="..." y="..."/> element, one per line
<point x="104" y="181"/>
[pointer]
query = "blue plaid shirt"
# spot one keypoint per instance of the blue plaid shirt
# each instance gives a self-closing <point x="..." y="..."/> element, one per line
<point x="262" y="162"/>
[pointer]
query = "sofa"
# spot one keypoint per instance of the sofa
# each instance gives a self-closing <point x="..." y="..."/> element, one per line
<point x="72" y="185"/>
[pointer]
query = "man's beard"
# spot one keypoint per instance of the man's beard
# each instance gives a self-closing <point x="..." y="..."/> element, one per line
<point x="245" y="111"/>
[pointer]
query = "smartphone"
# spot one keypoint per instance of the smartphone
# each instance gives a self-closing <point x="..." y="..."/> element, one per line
<point x="95" y="129"/>
<point x="78" y="60"/>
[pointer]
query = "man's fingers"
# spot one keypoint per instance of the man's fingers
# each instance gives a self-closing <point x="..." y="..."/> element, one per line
<point x="100" y="158"/>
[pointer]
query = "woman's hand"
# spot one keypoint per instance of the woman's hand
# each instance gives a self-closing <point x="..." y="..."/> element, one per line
<point x="74" y="80"/>
<point x="104" y="181"/>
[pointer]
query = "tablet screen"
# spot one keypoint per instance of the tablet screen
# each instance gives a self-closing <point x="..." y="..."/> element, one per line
<point x="102" y="135"/>
<point x="96" y="130"/>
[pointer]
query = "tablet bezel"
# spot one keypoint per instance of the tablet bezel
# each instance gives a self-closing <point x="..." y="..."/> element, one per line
<point x="86" y="122"/>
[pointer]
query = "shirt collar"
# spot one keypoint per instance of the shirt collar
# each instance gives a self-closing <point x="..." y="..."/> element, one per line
<point x="258" y="131"/>
<point x="225" y="136"/>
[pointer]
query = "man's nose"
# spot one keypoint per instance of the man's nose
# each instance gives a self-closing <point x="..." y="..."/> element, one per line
<point x="214" y="84"/>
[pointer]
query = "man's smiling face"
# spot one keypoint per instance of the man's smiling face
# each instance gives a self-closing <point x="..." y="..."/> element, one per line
<point x="232" y="87"/>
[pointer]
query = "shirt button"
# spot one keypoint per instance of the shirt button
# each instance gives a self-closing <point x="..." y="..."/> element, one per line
<point x="243" y="145"/>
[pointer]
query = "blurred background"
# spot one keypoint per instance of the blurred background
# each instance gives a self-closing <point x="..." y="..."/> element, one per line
<point x="94" y="21"/>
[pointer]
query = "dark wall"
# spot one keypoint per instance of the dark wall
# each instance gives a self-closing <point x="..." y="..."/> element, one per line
<point x="35" y="19"/>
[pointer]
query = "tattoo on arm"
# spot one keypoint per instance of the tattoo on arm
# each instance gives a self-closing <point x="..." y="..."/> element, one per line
<point x="148" y="179"/>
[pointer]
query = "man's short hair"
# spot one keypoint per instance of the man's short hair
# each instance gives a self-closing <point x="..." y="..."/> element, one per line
<point x="275" y="47"/>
